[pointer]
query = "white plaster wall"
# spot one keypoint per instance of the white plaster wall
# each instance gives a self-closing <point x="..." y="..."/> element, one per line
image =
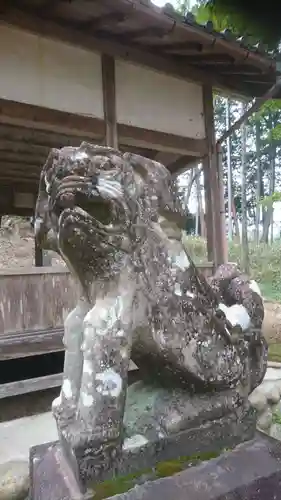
<point x="152" y="100"/>
<point x="35" y="70"/>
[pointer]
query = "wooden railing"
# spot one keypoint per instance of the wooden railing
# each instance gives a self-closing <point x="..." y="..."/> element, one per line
<point x="33" y="305"/>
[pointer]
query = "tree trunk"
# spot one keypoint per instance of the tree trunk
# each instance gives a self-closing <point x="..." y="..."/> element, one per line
<point x="268" y="211"/>
<point x="229" y="172"/>
<point x="245" y="245"/>
<point x="259" y="175"/>
<point x="268" y="216"/>
<point x="189" y="187"/>
<point x="236" y="223"/>
<point x="201" y="217"/>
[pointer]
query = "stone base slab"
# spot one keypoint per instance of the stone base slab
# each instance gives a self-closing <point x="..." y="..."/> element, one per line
<point x="51" y="477"/>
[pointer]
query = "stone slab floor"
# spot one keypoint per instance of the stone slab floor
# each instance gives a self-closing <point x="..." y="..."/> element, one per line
<point x="17" y="436"/>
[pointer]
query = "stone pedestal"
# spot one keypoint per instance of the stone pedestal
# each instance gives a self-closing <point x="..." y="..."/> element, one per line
<point x="160" y="425"/>
<point x="251" y="471"/>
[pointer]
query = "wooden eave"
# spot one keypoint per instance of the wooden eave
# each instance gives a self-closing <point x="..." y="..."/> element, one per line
<point x="138" y="31"/>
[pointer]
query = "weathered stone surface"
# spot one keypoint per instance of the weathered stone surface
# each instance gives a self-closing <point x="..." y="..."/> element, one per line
<point x="14" y="480"/>
<point x="266" y="399"/>
<point x="275" y="431"/>
<point x="142" y="298"/>
<point x="52" y="479"/>
<point x="258" y="400"/>
<point x="250" y="472"/>
<point x="273" y="395"/>
<point x="265" y="420"/>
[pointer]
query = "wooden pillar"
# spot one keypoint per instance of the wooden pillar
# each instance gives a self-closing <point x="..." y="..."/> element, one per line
<point x="213" y="186"/>
<point x="223" y="249"/>
<point x="109" y="100"/>
<point x="208" y="210"/>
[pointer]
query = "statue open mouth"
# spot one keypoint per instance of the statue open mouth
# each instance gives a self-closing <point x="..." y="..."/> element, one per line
<point x="90" y="198"/>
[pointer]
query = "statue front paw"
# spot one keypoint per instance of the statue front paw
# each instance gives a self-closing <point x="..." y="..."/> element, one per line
<point x="64" y="413"/>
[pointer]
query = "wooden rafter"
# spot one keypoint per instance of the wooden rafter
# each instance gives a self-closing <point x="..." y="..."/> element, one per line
<point x="109" y="100"/>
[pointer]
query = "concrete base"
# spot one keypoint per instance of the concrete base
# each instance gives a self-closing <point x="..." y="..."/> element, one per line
<point x="252" y="471"/>
<point x="52" y="479"/>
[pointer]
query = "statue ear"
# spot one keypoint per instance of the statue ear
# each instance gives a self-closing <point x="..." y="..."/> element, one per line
<point x="139" y="165"/>
<point x="53" y="155"/>
<point x="154" y="172"/>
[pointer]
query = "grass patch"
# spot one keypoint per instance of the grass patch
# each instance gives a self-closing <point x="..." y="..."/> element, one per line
<point x="123" y="484"/>
<point x="264" y="262"/>
<point x="276" y="417"/>
<point x="274" y="352"/>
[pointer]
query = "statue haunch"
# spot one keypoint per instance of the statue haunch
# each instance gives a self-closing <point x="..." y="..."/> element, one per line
<point x="106" y="212"/>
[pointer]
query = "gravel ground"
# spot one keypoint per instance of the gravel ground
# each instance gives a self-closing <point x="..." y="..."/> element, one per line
<point x="17" y="244"/>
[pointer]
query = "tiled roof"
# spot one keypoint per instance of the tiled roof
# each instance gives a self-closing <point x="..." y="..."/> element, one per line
<point x="189" y="19"/>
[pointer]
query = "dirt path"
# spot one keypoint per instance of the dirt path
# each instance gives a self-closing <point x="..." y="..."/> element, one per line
<point x="272" y="322"/>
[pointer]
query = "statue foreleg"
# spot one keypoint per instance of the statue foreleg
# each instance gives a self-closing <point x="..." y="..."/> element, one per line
<point x="106" y="349"/>
<point x="65" y="406"/>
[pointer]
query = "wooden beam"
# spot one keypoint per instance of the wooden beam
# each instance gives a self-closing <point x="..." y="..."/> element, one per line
<point x="109" y="100"/>
<point x="223" y="251"/>
<point x="12" y="167"/>
<point x="214" y="58"/>
<point x="22" y="158"/>
<point x="179" y="165"/>
<point x="270" y="94"/>
<point x="166" y="158"/>
<point x="147" y="32"/>
<point x="21" y="147"/>
<point x="104" y="22"/>
<point x="20" y="212"/>
<point x="30" y="385"/>
<point x="88" y="128"/>
<point x="7" y="191"/>
<point x="30" y="181"/>
<point x="184" y="47"/>
<point x="208" y="209"/>
<point x="161" y="141"/>
<point x="211" y="180"/>
<point x="30" y="137"/>
<point x="36" y="117"/>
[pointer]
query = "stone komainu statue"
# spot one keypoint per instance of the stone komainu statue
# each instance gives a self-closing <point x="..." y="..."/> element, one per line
<point x="110" y="215"/>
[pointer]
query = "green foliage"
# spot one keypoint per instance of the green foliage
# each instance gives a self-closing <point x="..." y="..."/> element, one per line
<point x="269" y="200"/>
<point x="276" y="417"/>
<point x="260" y="22"/>
<point x="265" y="262"/>
<point x="274" y="352"/>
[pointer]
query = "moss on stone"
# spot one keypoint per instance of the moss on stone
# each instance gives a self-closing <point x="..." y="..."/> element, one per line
<point x="122" y="484"/>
